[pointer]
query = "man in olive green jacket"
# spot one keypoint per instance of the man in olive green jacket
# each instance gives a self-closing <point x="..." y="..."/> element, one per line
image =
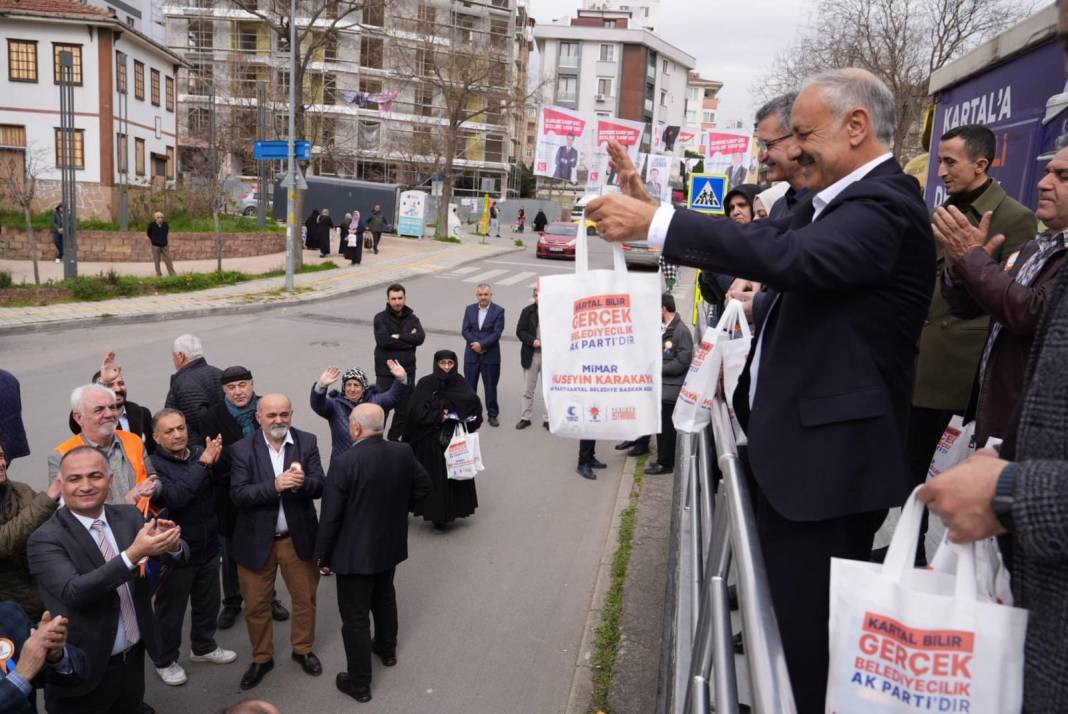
<point x="950" y="348"/>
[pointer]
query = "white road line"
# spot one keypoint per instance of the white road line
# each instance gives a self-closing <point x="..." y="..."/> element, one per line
<point x="463" y="271"/>
<point x="517" y="278"/>
<point x="529" y="265"/>
<point x="484" y="277"/>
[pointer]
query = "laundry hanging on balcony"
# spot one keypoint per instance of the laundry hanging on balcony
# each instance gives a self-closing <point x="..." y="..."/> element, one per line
<point x="384" y="100"/>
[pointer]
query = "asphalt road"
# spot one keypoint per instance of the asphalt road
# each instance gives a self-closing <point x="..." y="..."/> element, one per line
<point x="491" y="614"/>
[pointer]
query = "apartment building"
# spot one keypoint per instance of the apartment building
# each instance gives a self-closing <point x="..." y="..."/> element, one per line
<point x="643" y="12"/>
<point x="124" y="100"/>
<point x="380" y="85"/>
<point x="702" y="101"/>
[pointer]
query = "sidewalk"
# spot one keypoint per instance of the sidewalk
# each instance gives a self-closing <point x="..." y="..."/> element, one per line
<point x="398" y="259"/>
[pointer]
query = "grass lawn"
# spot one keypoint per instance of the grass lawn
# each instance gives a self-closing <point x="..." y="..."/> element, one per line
<point x="179" y="223"/>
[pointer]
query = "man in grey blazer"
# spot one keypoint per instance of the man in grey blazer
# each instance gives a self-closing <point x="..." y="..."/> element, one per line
<point x="87" y="560"/>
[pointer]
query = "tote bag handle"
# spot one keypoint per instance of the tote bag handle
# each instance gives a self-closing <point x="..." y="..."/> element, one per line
<point x="582" y="255"/>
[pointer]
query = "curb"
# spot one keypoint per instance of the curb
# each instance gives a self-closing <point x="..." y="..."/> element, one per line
<point x="251" y="307"/>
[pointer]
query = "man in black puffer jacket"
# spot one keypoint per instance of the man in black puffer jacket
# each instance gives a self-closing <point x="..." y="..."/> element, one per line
<point x="398" y="333"/>
<point x="185" y="489"/>
<point x="195" y="385"/>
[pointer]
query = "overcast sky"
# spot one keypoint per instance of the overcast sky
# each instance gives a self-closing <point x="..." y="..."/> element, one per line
<point x="734" y="41"/>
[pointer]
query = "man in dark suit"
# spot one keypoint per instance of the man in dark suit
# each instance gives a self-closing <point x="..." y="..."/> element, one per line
<point x="364" y="535"/>
<point x="275" y="477"/>
<point x="529" y="334"/>
<point x="37" y="656"/>
<point x="825" y="394"/>
<point x="86" y="559"/>
<point x="133" y="417"/>
<point x="482" y="328"/>
<point x="233" y="419"/>
<point x="566" y="159"/>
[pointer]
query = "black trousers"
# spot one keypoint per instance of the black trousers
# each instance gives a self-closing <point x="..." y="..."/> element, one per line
<point x="665" y="440"/>
<point x="196" y="585"/>
<point x="400" y="411"/>
<point x="375" y="236"/>
<point x="491" y="374"/>
<point x="798" y="560"/>
<point x="231" y="589"/>
<point x="924" y="431"/>
<point x="586" y="451"/>
<point x="358" y="596"/>
<point x="121" y="690"/>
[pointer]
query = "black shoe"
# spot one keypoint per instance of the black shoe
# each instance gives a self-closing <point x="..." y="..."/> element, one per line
<point x="228" y="616"/>
<point x="522" y="424"/>
<point x="344" y="686"/>
<point x="732" y="597"/>
<point x="146" y="709"/>
<point x="546" y="425"/>
<point x="309" y="663"/>
<point x="585" y="471"/>
<point x="438" y="528"/>
<point x="493" y="421"/>
<point x="255" y="673"/>
<point x="279" y="613"/>
<point x="638" y="450"/>
<point x="388" y="659"/>
<point x="624" y="445"/>
<point x="736" y="641"/>
<point x="594" y="463"/>
<point x="656" y="468"/>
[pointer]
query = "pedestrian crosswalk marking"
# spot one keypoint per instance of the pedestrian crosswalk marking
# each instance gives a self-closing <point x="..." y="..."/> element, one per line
<point x="463" y="271"/>
<point x="517" y="278"/>
<point x="484" y="277"/>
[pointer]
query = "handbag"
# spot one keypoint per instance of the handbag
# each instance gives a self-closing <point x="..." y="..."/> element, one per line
<point x="601" y="349"/>
<point x="350" y="240"/>
<point x="906" y="639"/>
<point x="368" y="242"/>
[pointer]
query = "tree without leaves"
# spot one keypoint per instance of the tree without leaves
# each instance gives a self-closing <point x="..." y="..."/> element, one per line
<point x="19" y="171"/>
<point x="900" y="41"/>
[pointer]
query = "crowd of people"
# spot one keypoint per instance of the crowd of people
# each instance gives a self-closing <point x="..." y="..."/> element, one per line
<point x="352" y="241"/>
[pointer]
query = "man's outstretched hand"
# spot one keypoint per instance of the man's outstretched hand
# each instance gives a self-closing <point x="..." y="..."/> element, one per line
<point x="630" y="181"/>
<point x="621" y="218"/>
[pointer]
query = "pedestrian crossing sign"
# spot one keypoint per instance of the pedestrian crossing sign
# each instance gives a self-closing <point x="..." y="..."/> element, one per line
<point x="706" y="193"/>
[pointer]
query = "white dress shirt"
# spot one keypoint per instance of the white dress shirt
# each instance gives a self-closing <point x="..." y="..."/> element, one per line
<point x="278" y="459"/>
<point x="482" y="312"/>
<point x="120" y="644"/>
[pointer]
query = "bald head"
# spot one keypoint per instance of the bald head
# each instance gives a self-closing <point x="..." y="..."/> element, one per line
<point x="274" y="413"/>
<point x="366" y="420"/>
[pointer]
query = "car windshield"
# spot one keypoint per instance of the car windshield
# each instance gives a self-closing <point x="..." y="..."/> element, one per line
<point x="561" y="229"/>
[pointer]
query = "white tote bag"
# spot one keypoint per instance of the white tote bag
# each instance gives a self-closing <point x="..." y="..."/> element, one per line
<point x="460" y="464"/>
<point x="733" y="347"/>
<point x="692" y="410"/>
<point x="601" y="349"/>
<point x="905" y="639"/>
<point x="476" y="449"/>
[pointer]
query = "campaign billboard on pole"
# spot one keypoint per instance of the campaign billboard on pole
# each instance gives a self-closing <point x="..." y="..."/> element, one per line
<point x="626" y="132"/>
<point x="727" y="151"/>
<point x="561" y="141"/>
<point x="657" y="176"/>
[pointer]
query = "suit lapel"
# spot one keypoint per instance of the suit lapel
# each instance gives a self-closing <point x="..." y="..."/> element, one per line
<point x="121" y="527"/>
<point x="80" y="537"/>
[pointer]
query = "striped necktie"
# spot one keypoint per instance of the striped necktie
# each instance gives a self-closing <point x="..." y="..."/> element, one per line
<point x="126" y="603"/>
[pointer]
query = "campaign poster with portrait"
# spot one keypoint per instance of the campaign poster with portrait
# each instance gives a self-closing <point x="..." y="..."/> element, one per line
<point x="658" y="176"/>
<point x="727" y="151"/>
<point x="626" y="132"/>
<point x="561" y="141"/>
<point x="669" y="135"/>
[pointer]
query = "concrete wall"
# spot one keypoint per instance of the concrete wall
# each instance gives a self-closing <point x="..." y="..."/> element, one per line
<point x="133" y="247"/>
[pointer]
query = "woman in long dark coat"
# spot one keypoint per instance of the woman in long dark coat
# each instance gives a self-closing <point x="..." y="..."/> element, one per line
<point x="355" y="229"/>
<point x="439" y="402"/>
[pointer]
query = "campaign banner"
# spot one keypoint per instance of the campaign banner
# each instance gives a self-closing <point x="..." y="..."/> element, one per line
<point x="626" y="132"/>
<point x="728" y="152"/>
<point x="561" y="140"/>
<point x="657" y="176"/>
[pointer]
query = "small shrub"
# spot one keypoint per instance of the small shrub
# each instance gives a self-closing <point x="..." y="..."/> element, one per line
<point x="447" y="239"/>
<point x="5" y="279"/>
<point x="88" y="289"/>
<point x="519" y="243"/>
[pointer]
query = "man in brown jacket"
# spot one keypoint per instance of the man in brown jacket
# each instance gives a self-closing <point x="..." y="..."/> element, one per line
<point x="951" y="344"/>
<point x="1014" y="295"/>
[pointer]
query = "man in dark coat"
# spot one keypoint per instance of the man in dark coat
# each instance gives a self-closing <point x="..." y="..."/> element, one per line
<point x="566" y="159"/>
<point x="195" y="385"/>
<point x="85" y="558"/>
<point x="825" y="393"/>
<point x="677" y="344"/>
<point x="12" y="430"/>
<point x="363" y="535"/>
<point x="275" y="478"/>
<point x="482" y="328"/>
<point x="133" y="417"/>
<point x="157" y="232"/>
<point x="40" y="656"/>
<point x="398" y="333"/>
<point x="529" y="334"/>
<point x="319" y="235"/>
<point x="233" y="419"/>
<point x="377" y="223"/>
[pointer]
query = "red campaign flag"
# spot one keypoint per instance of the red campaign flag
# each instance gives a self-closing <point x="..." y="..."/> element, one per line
<point x="685" y="135"/>
<point x="554" y="122"/>
<point x="610" y="131"/>
<point x="727" y="143"/>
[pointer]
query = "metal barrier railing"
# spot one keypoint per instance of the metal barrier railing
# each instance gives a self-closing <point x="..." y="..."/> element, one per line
<point x="711" y="531"/>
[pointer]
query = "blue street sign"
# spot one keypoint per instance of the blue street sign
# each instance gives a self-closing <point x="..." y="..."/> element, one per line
<point x="707" y="192"/>
<point x="267" y="150"/>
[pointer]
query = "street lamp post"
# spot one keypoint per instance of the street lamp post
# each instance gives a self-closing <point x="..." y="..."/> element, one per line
<point x="291" y="174"/>
<point x="67" y="170"/>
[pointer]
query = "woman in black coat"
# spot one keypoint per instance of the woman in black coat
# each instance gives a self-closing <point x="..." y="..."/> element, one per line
<point x="442" y="400"/>
<point x="352" y="239"/>
<point x="540" y="221"/>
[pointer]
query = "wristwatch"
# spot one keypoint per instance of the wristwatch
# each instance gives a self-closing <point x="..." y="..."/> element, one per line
<point x="1003" y="496"/>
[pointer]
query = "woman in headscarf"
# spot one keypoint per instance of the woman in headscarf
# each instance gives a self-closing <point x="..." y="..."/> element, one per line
<point x="352" y="240"/>
<point x="714" y="286"/>
<point x="440" y="401"/>
<point x="336" y="406"/>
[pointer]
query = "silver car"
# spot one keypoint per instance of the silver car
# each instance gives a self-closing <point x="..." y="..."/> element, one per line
<point x="640" y="255"/>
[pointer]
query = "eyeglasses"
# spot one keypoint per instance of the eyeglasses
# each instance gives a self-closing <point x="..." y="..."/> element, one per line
<point x="763" y="146"/>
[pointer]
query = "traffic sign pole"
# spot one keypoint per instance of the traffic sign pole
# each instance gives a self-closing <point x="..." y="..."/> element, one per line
<point x="291" y="191"/>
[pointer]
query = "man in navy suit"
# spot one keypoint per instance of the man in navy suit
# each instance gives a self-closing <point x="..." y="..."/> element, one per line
<point x="482" y="328"/>
<point x="825" y="394"/>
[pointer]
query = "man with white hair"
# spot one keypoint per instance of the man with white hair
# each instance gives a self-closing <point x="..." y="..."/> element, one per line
<point x="157" y="236"/>
<point x="96" y="411"/>
<point x="824" y="397"/>
<point x="196" y="386"/>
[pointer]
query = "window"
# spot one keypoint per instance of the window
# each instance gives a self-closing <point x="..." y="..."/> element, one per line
<point x="610" y="24"/>
<point x="170" y="94"/>
<point x="566" y="89"/>
<point x="201" y="35"/>
<point x="201" y="76"/>
<point x="197" y="120"/>
<point x="76" y="55"/>
<point x="139" y="156"/>
<point x="463" y="24"/>
<point x="329" y="89"/>
<point x="427" y="14"/>
<point x="170" y="162"/>
<point x="122" y="148"/>
<point x="569" y="54"/>
<point x="371" y="52"/>
<point x="667" y="67"/>
<point x="120" y="71"/>
<point x="498" y="31"/>
<point x="709" y="117"/>
<point x="22" y="60"/>
<point x="663" y="98"/>
<point x="78" y="145"/>
<point x="12" y="136"/>
<point x="330" y="46"/>
<point x="608" y="53"/>
<point x="604" y="86"/>
<point x="494" y="149"/>
<point x="129" y="21"/>
<point x="424" y="60"/>
<point x="139" y="80"/>
<point x="424" y="101"/>
<point x="371" y="86"/>
<point x="155" y="86"/>
<point x="282" y="80"/>
<point x="374" y="13"/>
<point x="245" y="36"/>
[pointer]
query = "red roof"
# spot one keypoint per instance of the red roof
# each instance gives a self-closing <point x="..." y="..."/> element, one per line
<point x="54" y="8"/>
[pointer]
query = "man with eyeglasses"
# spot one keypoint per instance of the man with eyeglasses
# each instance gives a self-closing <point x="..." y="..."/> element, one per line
<point x="276" y="476"/>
